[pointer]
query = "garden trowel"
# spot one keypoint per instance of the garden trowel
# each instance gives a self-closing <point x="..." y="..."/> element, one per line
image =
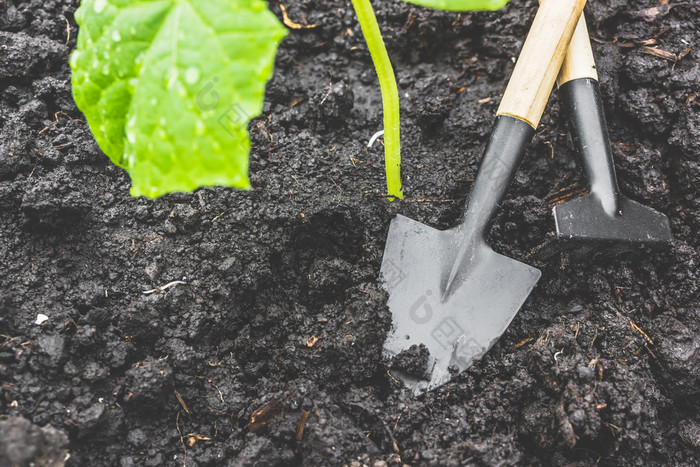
<point x="451" y="296"/>
<point x="603" y="219"/>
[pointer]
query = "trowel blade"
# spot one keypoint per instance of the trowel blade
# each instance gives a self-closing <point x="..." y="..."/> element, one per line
<point x="461" y="328"/>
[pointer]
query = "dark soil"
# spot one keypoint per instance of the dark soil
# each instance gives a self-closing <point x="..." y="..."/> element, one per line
<point x="602" y="364"/>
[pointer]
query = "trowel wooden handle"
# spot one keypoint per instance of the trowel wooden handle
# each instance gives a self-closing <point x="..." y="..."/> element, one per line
<point x="579" y="61"/>
<point x="540" y="60"/>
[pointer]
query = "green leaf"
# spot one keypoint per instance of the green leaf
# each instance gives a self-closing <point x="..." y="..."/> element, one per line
<point x="461" y="5"/>
<point x="168" y="86"/>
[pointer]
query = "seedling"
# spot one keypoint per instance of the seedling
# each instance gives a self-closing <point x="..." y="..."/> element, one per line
<point x="387" y="80"/>
<point x="169" y="87"/>
<point x="390" y="95"/>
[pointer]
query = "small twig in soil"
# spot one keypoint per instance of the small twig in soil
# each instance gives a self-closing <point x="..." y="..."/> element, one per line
<point x="330" y="89"/>
<point x="55" y="122"/>
<point x="551" y="147"/>
<point x="337" y="186"/>
<point x="219" y="216"/>
<point x="355" y="161"/>
<point x="182" y="403"/>
<point x="291" y="24"/>
<point x="649" y="350"/>
<point x="9" y="339"/>
<point x="221" y="394"/>
<point x="192" y="438"/>
<point x="55" y="116"/>
<point x="568" y="192"/>
<point x="595" y="336"/>
<point x="397" y="421"/>
<point x="659" y="53"/>
<point x="394" y="444"/>
<point x="164" y="287"/>
<point x="639" y="330"/>
<point x="484" y="100"/>
<point x="302" y="424"/>
<point x="182" y="439"/>
<point x="524" y="341"/>
<point x="67" y="30"/>
<point x="47" y="127"/>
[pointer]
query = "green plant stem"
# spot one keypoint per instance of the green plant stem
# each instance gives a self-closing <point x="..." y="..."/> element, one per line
<point x="390" y="95"/>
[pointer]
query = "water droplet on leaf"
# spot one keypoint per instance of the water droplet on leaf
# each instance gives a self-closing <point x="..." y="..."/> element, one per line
<point x="171" y="78"/>
<point x="75" y="56"/>
<point x="180" y="90"/>
<point x="99" y="6"/>
<point x="192" y="75"/>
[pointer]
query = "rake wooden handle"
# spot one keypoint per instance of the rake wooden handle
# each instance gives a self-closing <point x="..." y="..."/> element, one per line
<point x="579" y="61"/>
<point x="540" y="60"/>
